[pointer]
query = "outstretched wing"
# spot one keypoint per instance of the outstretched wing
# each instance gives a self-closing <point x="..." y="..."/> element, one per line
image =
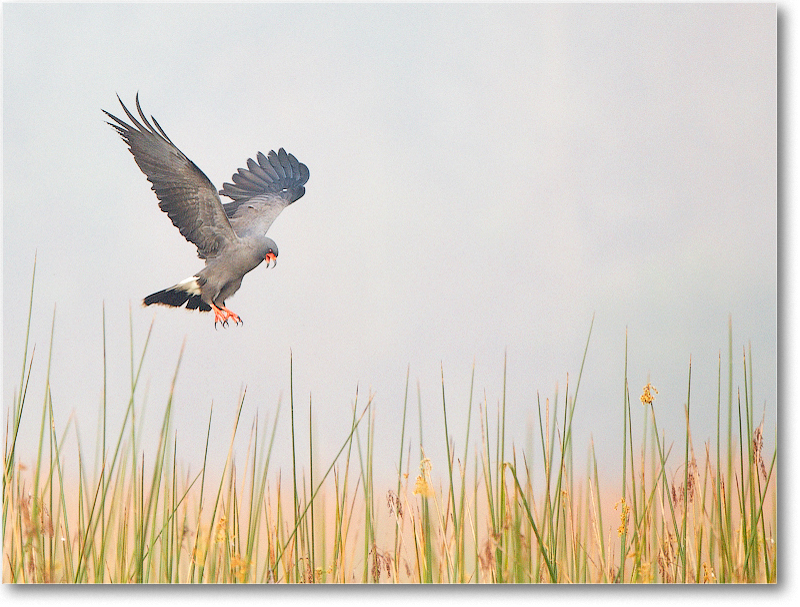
<point x="183" y="190"/>
<point x="262" y="190"/>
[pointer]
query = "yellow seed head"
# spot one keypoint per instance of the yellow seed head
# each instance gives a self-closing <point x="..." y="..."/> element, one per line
<point x="239" y="567"/>
<point x="646" y="572"/>
<point x="647" y="396"/>
<point x="222" y="528"/>
<point x="708" y="574"/>
<point x="422" y="487"/>
<point x="623" y="516"/>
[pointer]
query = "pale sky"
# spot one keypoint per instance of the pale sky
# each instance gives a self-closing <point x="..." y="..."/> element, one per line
<point x="484" y="179"/>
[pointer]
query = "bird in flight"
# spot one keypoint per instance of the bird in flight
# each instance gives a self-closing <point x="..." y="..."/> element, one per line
<point x="230" y="237"/>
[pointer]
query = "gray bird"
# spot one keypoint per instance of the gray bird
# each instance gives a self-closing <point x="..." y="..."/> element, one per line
<point x="229" y="237"/>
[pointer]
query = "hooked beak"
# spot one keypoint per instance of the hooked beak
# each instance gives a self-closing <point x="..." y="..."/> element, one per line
<point x="272" y="259"/>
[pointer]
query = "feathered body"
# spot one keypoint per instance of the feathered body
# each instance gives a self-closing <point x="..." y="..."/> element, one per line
<point x="230" y="237"/>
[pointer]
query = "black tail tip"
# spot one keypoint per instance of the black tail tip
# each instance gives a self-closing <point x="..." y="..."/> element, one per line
<point x="177" y="298"/>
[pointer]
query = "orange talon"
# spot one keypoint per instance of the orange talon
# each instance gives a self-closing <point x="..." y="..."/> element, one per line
<point x="223" y="315"/>
<point x="232" y="316"/>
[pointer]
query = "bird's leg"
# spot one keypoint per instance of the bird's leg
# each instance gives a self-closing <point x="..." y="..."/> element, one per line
<point x="223" y="315"/>
<point x="220" y="315"/>
<point x="232" y="316"/>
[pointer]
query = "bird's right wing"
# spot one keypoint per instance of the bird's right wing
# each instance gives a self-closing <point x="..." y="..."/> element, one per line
<point x="262" y="190"/>
<point x="183" y="190"/>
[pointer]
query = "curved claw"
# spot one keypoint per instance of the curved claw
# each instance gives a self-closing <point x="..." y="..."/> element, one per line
<point x="222" y="315"/>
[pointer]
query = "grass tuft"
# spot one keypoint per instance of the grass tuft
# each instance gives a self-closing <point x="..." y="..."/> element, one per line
<point x="705" y="515"/>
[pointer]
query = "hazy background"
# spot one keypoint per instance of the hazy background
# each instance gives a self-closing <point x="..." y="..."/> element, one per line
<point x="484" y="179"/>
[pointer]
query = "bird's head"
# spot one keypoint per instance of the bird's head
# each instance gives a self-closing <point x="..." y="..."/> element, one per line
<point x="270" y="252"/>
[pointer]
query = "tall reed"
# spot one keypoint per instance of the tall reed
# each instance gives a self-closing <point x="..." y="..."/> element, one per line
<point x="480" y="515"/>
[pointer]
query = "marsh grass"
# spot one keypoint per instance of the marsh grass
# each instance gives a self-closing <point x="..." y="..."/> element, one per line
<point x="480" y="516"/>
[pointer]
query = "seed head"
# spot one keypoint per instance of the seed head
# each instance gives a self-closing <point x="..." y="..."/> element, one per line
<point x="708" y="573"/>
<point x="647" y="396"/>
<point x="423" y="487"/>
<point x="623" y="516"/>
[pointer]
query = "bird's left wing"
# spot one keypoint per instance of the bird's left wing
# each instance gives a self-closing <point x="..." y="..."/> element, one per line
<point x="262" y="190"/>
<point x="183" y="190"/>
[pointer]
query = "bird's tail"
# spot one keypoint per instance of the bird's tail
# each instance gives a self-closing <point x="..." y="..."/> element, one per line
<point x="185" y="292"/>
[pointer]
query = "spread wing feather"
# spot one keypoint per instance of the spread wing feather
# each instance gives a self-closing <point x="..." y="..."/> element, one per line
<point x="183" y="190"/>
<point x="262" y="190"/>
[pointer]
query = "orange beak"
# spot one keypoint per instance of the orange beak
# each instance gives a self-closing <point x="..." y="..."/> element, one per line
<point x="271" y="258"/>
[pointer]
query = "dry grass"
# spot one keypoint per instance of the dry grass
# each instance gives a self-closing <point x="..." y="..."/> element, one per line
<point x="679" y="515"/>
